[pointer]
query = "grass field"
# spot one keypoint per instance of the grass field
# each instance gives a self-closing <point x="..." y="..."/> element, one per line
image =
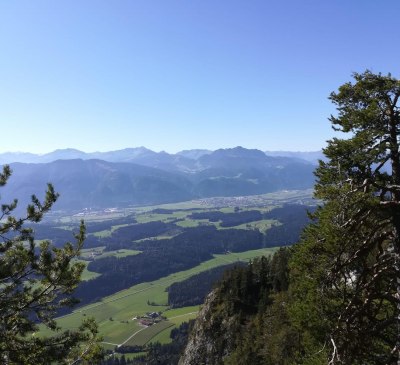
<point x="99" y="253"/>
<point x="262" y="225"/>
<point x="107" y="232"/>
<point x="146" y="334"/>
<point x="86" y="252"/>
<point x="161" y="331"/>
<point x="176" y="317"/>
<point x="115" y="314"/>
<point x="152" y="217"/>
<point x="192" y="222"/>
<point x="88" y="275"/>
<point x="123" y="252"/>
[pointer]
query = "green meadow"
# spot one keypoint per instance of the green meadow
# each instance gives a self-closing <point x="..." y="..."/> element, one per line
<point x="117" y="314"/>
<point x="96" y="253"/>
<point x="86" y="274"/>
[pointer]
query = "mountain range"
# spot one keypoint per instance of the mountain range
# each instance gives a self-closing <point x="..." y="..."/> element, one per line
<point x="139" y="176"/>
<point x="141" y="155"/>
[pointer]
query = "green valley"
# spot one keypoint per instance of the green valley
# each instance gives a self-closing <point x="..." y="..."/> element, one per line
<point x="117" y="315"/>
<point x="132" y="259"/>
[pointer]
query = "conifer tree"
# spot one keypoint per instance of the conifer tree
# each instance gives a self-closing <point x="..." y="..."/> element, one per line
<point x="346" y="272"/>
<point x="36" y="279"/>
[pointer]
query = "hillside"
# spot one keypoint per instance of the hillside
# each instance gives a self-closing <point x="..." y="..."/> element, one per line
<point x="148" y="178"/>
<point x="97" y="184"/>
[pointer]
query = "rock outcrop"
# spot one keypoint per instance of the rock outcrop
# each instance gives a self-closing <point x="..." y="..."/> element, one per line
<point x="211" y="340"/>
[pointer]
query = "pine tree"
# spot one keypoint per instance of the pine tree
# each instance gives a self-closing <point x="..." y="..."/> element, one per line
<point x="36" y="279"/>
<point x="346" y="272"/>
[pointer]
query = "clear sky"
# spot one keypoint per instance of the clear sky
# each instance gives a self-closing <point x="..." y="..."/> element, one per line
<point x="169" y="75"/>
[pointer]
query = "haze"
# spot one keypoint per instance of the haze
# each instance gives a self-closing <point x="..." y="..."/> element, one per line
<point x="172" y="75"/>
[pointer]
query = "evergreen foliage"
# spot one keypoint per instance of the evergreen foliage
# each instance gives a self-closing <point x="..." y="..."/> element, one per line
<point x="193" y="290"/>
<point x="346" y="271"/>
<point x="36" y="279"/>
<point x="293" y="219"/>
<point x="233" y="325"/>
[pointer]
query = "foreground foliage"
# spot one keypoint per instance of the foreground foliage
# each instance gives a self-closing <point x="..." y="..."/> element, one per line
<point x="347" y="268"/>
<point x="37" y="279"/>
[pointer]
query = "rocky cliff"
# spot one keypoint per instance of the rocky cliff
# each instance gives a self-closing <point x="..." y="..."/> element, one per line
<point x="211" y="338"/>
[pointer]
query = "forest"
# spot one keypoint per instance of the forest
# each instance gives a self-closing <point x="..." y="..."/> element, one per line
<point x="229" y="219"/>
<point x="160" y="257"/>
<point x="193" y="290"/>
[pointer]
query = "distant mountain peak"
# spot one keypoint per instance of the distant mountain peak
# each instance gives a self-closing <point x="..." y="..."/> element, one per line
<point x="238" y="152"/>
<point x="194" y="154"/>
<point x="310" y="156"/>
<point x="65" y="150"/>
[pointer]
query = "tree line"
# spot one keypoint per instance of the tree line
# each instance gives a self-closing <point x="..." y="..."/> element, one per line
<point x="229" y="219"/>
<point x="193" y="290"/>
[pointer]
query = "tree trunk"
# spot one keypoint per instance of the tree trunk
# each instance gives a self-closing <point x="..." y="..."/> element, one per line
<point x="395" y="164"/>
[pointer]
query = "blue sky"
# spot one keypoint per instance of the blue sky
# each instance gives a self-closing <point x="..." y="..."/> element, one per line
<point x="171" y="75"/>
